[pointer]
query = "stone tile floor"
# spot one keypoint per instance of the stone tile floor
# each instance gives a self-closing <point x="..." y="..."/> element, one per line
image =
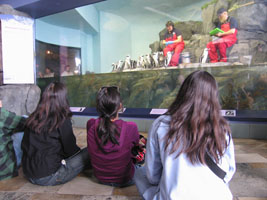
<point x="249" y="182"/>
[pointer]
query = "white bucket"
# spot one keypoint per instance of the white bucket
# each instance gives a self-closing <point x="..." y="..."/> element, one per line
<point x="186" y="57"/>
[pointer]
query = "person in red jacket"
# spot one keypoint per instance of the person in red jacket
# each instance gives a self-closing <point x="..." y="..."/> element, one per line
<point x="174" y="42"/>
<point x="227" y="39"/>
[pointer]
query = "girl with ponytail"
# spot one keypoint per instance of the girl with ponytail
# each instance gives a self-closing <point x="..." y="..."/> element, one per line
<point x="110" y="141"/>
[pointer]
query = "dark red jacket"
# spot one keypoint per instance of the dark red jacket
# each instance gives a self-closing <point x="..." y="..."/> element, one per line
<point x="112" y="163"/>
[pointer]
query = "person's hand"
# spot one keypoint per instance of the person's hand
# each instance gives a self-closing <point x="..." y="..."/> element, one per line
<point x="0" y="104"/>
<point x="219" y="34"/>
<point x="169" y="42"/>
<point x="163" y="42"/>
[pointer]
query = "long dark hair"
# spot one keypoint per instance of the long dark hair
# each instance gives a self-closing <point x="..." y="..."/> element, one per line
<point x="51" y="111"/>
<point x="196" y="125"/>
<point x="108" y="103"/>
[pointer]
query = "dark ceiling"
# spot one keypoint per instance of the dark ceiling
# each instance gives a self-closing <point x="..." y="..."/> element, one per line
<point x="42" y="8"/>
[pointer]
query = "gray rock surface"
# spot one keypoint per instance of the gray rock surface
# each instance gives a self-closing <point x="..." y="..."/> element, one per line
<point x="155" y="47"/>
<point x="196" y="45"/>
<point x="252" y="17"/>
<point x="207" y="17"/>
<point x="21" y="99"/>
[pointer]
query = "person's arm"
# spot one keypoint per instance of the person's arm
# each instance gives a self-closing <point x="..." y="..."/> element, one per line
<point x="165" y="37"/>
<point x="233" y="27"/>
<point x="231" y="31"/>
<point x="135" y="134"/>
<point x="179" y="39"/>
<point x="153" y="162"/>
<point x="10" y="120"/>
<point x="68" y="139"/>
<point x="230" y="154"/>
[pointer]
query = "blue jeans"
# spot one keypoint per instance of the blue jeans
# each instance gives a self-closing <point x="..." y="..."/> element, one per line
<point x="70" y="169"/>
<point x="143" y="184"/>
<point x="140" y="180"/>
<point x="17" y="138"/>
<point x="121" y="185"/>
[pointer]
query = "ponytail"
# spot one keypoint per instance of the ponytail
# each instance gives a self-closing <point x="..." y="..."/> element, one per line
<point x="107" y="131"/>
<point x="108" y="103"/>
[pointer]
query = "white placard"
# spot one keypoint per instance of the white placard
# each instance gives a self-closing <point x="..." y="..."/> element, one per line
<point x="77" y="109"/>
<point x="228" y="113"/>
<point x="122" y="110"/>
<point x="17" y="49"/>
<point x="158" y="111"/>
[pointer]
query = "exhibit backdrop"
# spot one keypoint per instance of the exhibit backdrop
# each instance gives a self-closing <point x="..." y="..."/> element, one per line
<point x="17" y="49"/>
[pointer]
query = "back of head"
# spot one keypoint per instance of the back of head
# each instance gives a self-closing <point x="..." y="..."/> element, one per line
<point x="52" y="109"/>
<point x="108" y="103"/>
<point x="196" y="122"/>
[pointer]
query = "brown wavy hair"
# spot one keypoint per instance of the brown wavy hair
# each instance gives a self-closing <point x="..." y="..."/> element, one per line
<point x="52" y="110"/>
<point x="196" y="125"/>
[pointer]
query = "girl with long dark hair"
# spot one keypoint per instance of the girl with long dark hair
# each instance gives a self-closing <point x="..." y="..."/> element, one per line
<point x="110" y="141"/>
<point x="180" y="143"/>
<point x="50" y="153"/>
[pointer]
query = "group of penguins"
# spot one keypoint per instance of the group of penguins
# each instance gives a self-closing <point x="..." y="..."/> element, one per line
<point x="148" y="61"/>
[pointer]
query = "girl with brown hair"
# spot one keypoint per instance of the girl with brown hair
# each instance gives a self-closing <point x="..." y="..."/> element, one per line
<point x="180" y="142"/>
<point x="110" y="141"/>
<point x="50" y="153"/>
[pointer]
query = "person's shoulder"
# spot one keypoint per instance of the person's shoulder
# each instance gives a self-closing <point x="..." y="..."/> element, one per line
<point x="130" y="124"/>
<point x="232" y="19"/>
<point x="177" y="31"/>
<point x="166" y="34"/>
<point x="165" y="119"/>
<point x="5" y="113"/>
<point x="233" y="22"/>
<point x="66" y="124"/>
<point x="67" y="121"/>
<point x="91" y="123"/>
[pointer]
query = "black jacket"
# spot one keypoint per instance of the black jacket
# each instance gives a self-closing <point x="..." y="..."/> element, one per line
<point x="43" y="153"/>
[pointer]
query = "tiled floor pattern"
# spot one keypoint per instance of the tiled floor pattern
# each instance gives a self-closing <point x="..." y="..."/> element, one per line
<point x="251" y="156"/>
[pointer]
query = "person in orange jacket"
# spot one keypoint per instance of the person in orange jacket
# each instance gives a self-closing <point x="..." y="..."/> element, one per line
<point x="174" y="42"/>
<point x="227" y="39"/>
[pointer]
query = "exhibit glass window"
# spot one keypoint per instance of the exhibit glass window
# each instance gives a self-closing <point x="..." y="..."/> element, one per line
<point x="120" y="42"/>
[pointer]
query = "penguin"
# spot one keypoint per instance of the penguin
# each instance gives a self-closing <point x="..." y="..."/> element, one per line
<point x="127" y="63"/>
<point x="155" y="59"/>
<point x="114" y="67"/>
<point x="168" y="59"/>
<point x="141" y="62"/>
<point x="147" y="61"/>
<point x="120" y="65"/>
<point x="204" y="56"/>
